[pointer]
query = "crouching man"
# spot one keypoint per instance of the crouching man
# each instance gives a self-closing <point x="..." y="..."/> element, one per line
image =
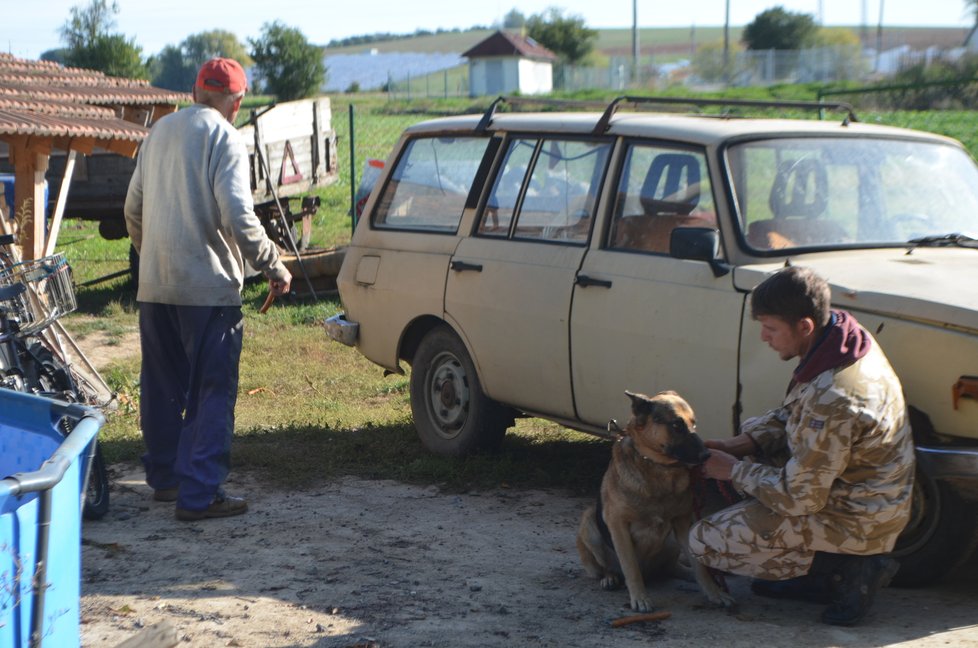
<point x="828" y="475"/>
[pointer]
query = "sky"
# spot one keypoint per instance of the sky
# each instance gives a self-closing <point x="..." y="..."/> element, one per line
<point x="30" y="27"/>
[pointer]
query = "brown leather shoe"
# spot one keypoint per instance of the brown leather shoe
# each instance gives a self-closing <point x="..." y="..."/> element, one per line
<point x="222" y="506"/>
<point x="165" y="495"/>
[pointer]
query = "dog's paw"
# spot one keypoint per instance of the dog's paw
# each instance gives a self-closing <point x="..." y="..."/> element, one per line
<point x="641" y="602"/>
<point x="724" y="599"/>
<point x="610" y="582"/>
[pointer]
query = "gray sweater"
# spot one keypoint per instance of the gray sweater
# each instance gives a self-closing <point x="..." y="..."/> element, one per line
<point x="190" y="213"/>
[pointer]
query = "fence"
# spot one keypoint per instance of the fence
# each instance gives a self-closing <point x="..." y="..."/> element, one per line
<point x="367" y="131"/>
<point x="709" y="66"/>
<point x="453" y="82"/>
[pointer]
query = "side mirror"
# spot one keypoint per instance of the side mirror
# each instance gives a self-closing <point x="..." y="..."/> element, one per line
<point x="698" y="244"/>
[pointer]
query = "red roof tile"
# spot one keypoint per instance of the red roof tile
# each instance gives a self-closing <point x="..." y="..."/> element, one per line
<point x="48" y="99"/>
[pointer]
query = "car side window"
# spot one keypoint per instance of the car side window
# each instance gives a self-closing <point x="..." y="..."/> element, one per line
<point x="501" y="205"/>
<point x="428" y="187"/>
<point x="546" y="190"/>
<point x="660" y="189"/>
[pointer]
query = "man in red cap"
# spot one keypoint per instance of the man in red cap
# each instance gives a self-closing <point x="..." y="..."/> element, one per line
<point x="191" y="218"/>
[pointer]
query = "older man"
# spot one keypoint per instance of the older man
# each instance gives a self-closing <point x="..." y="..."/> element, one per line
<point x="190" y="216"/>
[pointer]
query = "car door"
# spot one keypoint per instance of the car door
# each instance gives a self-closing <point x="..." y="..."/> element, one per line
<point x="643" y="320"/>
<point x="510" y="284"/>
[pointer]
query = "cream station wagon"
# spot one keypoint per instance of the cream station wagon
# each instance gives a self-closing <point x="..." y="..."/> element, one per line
<point x="542" y="263"/>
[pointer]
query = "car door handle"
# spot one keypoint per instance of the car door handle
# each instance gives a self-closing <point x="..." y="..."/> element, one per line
<point x="584" y="281"/>
<point x="460" y="266"/>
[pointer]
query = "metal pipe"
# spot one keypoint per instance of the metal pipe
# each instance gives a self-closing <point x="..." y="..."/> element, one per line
<point x="353" y="170"/>
<point x="39" y="579"/>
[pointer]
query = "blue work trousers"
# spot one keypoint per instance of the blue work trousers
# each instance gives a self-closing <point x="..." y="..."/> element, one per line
<point x="189" y="386"/>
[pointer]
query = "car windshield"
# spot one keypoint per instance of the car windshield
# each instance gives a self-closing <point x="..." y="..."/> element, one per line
<point x="826" y="192"/>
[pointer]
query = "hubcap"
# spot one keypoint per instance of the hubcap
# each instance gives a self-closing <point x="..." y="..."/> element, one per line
<point x="448" y="395"/>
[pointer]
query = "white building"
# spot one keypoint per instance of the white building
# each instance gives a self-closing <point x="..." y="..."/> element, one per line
<point x="505" y="63"/>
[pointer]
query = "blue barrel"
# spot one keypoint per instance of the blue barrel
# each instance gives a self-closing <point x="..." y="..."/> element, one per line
<point x="41" y="495"/>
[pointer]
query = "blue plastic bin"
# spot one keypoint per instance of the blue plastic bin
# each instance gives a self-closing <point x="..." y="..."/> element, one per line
<point x="8" y="182"/>
<point x="41" y="496"/>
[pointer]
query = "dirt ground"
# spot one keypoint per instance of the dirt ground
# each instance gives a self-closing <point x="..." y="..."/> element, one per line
<point x="370" y="564"/>
<point x="375" y="563"/>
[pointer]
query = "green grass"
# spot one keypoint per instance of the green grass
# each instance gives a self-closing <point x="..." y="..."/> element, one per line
<point x="310" y="409"/>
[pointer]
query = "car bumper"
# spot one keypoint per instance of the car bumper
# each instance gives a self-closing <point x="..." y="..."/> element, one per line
<point x="341" y="329"/>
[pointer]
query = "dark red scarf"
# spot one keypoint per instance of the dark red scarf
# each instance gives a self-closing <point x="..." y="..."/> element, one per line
<point x="842" y="343"/>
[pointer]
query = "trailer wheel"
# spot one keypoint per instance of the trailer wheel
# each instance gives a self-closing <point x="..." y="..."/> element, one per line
<point x="451" y="413"/>
<point x="134" y="265"/>
<point x="941" y="534"/>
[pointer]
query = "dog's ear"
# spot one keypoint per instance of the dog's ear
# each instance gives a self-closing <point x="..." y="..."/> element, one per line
<point x="641" y="406"/>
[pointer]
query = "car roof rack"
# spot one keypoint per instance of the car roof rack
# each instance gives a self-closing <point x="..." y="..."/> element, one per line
<point x="519" y="101"/>
<point x="610" y="109"/>
<point x="605" y="121"/>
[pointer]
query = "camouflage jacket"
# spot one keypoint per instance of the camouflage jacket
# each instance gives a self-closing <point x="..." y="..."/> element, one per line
<point x="838" y="448"/>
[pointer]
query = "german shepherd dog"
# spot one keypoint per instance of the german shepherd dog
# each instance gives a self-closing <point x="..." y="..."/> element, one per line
<point x="642" y="518"/>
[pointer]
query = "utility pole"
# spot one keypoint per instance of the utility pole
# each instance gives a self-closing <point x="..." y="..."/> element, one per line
<point x="726" y="45"/>
<point x="635" y="47"/>
<point x="863" y="29"/>
<point x="879" y="38"/>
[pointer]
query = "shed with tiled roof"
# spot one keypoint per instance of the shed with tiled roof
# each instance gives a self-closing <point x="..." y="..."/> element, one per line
<point x="48" y="109"/>
<point x="508" y="62"/>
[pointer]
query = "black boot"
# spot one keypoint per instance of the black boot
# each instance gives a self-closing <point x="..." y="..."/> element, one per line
<point x="854" y="582"/>
<point x="812" y="588"/>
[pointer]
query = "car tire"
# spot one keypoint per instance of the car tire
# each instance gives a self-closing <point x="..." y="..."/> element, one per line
<point x="451" y="413"/>
<point x="941" y="534"/>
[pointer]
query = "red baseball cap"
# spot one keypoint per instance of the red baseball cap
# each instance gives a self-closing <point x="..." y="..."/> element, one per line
<point x="222" y="75"/>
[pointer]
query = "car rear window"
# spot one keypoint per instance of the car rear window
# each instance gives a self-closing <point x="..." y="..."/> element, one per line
<point x="428" y="187"/>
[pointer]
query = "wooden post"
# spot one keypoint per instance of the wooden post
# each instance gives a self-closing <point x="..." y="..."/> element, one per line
<point x="30" y="160"/>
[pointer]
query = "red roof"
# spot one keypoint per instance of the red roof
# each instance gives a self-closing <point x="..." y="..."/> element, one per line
<point x="48" y="99"/>
<point x="504" y="43"/>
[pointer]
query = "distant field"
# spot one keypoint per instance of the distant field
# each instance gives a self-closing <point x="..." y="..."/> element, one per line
<point x="612" y="42"/>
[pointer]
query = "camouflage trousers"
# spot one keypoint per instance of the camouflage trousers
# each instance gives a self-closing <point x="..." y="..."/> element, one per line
<point x="751" y="540"/>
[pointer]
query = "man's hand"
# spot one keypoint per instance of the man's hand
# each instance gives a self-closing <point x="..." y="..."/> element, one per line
<point x="720" y="464"/>
<point x="279" y="288"/>
<point x="739" y="446"/>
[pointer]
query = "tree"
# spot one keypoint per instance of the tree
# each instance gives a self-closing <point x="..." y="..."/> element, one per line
<point x="175" y="67"/>
<point x="57" y="55"/>
<point x="88" y="23"/>
<point x="170" y="69"/>
<point x="780" y="30"/>
<point x="566" y="36"/>
<point x="204" y="46"/>
<point x="89" y="42"/>
<point x="516" y="20"/>
<point x="111" y="54"/>
<point x="290" y="66"/>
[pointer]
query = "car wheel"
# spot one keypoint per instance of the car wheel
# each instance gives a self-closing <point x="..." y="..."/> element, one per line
<point x="452" y="415"/>
<point x="941" y="534"/>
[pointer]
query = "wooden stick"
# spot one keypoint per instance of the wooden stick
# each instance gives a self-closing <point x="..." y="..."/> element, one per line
<point x="638" y="618"/>
<point x="59" y="209"/>
<point x="268" y="304"/>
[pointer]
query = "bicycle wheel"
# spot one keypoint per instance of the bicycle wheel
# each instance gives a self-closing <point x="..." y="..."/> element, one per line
<point x="52" y="379"/>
